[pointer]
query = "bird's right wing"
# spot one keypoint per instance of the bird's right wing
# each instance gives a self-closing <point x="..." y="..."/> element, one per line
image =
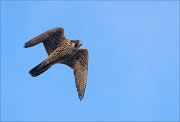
<point x="79" y="62"/>
<point x="52" y="34"/>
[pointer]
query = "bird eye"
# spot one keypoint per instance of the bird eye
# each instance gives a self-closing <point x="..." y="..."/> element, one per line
<point x="76" y="44"/>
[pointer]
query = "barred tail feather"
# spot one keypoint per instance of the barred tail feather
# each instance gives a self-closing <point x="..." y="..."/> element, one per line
<point x="39" y="69"/>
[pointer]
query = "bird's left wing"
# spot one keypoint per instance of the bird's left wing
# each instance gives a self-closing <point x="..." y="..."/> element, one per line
<point x="48" y="35"/>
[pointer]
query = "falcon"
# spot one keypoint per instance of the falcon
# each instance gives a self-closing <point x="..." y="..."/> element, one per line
<point x="61" y="50"/>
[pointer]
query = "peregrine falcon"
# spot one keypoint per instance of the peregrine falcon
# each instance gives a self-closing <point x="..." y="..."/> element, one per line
<point x="63" y="51"/>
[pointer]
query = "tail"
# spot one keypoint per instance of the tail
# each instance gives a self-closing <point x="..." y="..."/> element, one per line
<point x="39" y="69"/>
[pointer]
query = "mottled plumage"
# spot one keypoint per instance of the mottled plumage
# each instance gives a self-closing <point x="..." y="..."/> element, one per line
<point x="64" y="51"/>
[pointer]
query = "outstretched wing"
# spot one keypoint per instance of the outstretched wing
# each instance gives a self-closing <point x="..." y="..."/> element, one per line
<point x="79" y="62"/>
<point x="51" y="39"/>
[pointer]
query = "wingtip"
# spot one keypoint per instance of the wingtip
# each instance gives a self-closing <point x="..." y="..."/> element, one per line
<point x="25" y="45"/>
<point x="32" y="74"/>
<point x="80" y="98"/>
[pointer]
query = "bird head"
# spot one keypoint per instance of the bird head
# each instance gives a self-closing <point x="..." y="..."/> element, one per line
<point x="76" y="43"/>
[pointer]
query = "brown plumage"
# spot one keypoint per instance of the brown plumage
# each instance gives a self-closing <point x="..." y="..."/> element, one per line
<point x="64" y="51"/>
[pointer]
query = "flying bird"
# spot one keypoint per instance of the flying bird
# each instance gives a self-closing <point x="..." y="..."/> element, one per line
<point x="63" y="51"/>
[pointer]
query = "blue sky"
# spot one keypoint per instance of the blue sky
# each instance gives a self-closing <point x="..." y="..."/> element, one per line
<point x="133" y="61"/>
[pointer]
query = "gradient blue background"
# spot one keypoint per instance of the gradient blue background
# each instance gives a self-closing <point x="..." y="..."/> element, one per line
<point x="133" y="61"/>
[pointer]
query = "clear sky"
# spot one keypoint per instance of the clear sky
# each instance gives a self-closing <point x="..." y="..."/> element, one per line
<point x="133" y="61"/>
